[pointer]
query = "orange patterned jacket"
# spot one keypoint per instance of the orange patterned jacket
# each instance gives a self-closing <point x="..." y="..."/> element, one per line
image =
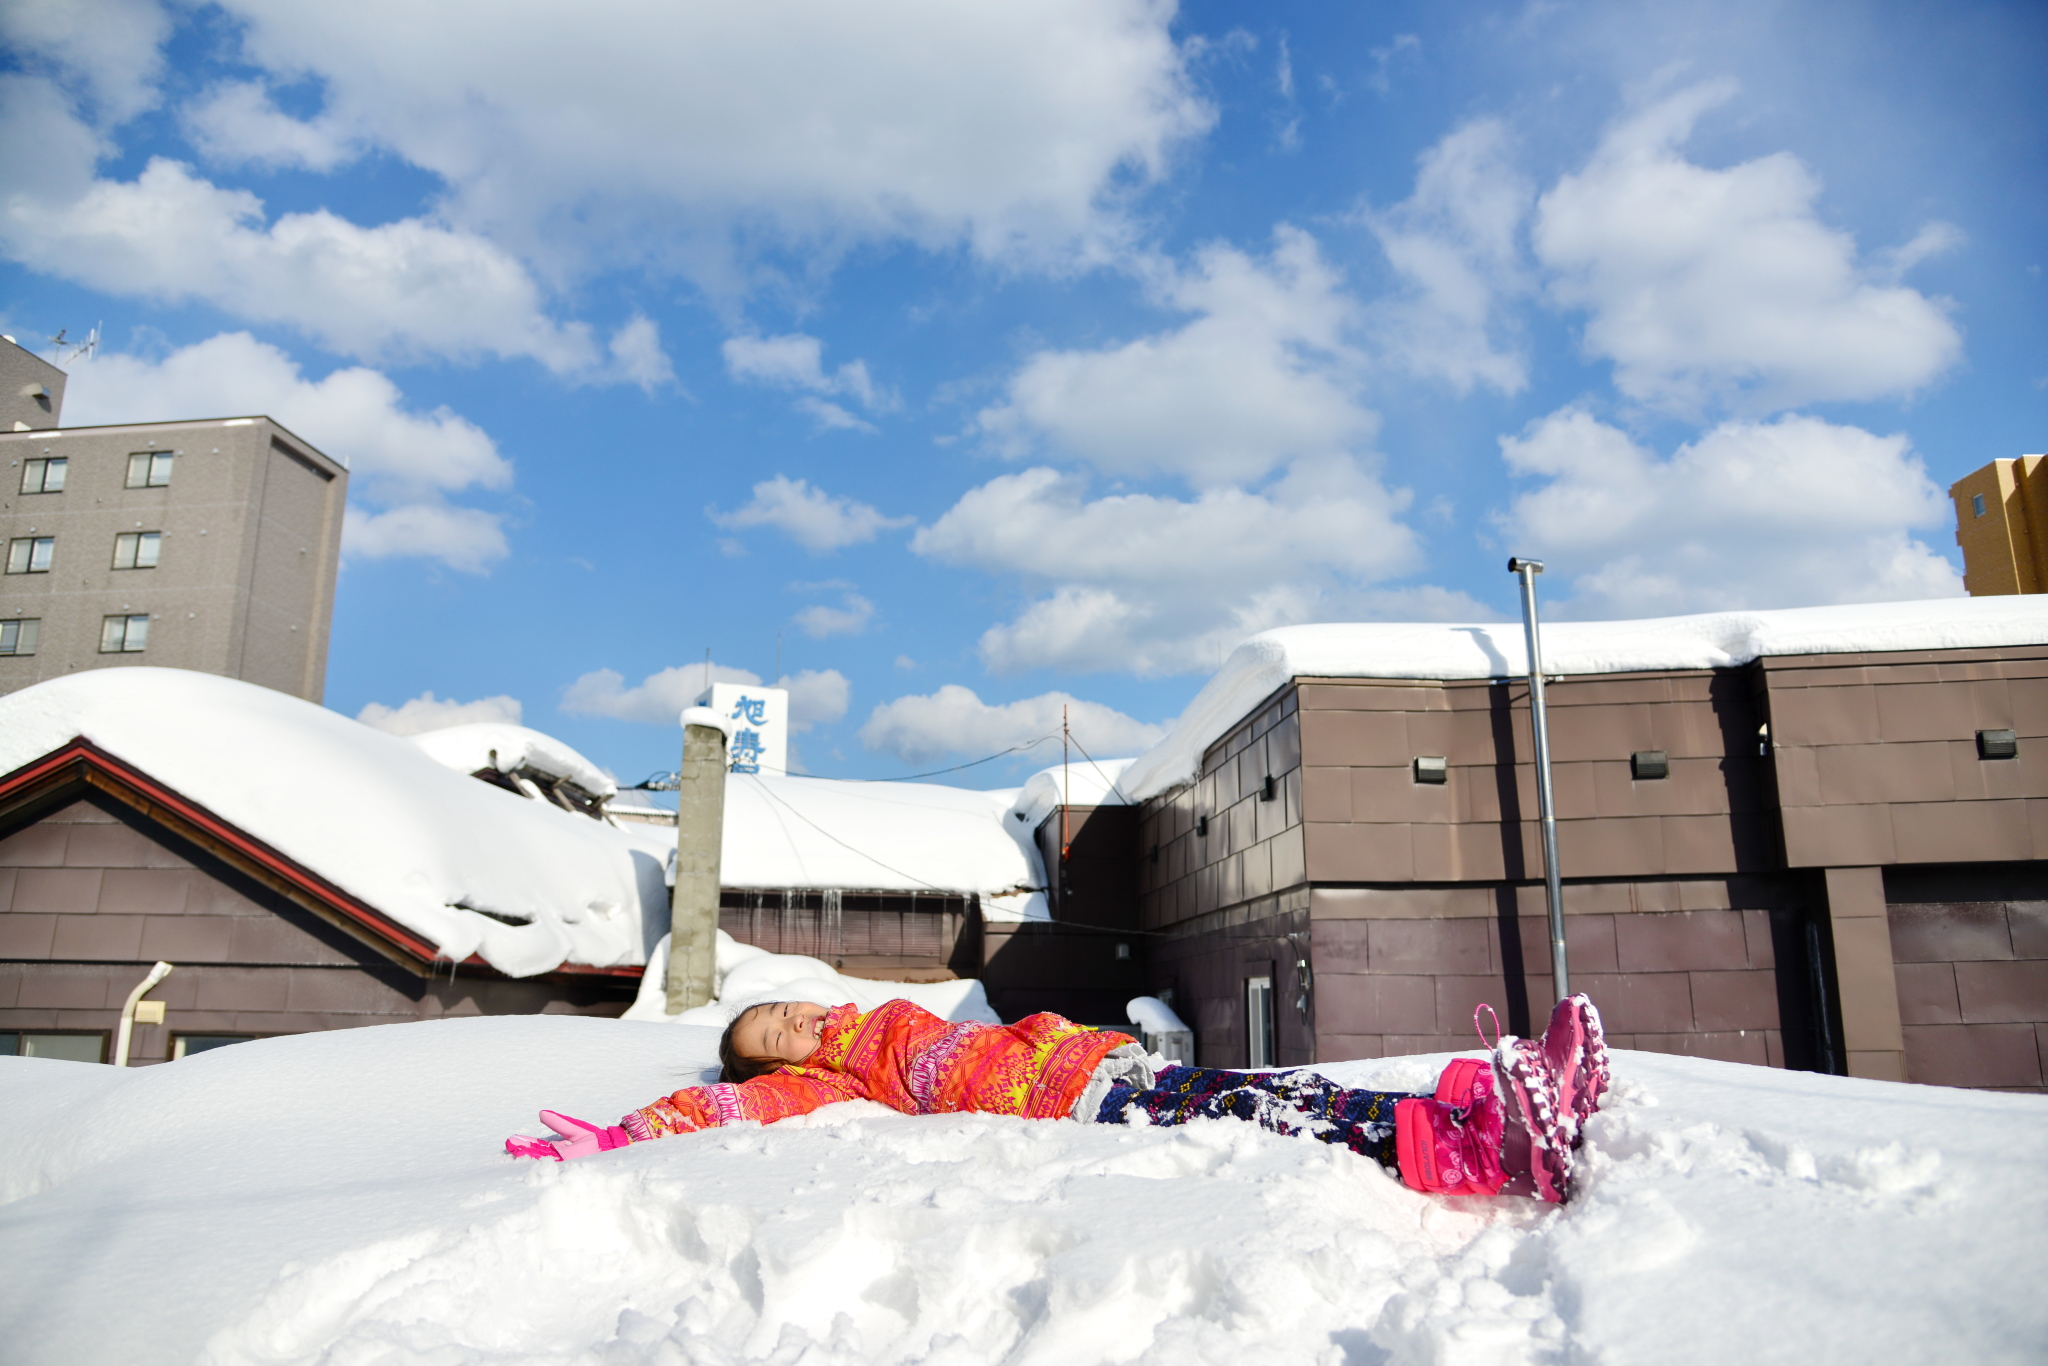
<point x="907" y="1059"/>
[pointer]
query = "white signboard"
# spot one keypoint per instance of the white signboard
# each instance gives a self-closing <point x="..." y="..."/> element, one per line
<point x="760" y="726"/>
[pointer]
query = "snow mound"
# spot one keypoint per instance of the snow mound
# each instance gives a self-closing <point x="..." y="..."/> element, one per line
<point x="509" y="748"/>
<point x="473" y="868"/>
<point x="911" y="837"/>
<point x="342" y="1197"/>
<point x="1714" y="640"/>
<point x="743" y="975"/>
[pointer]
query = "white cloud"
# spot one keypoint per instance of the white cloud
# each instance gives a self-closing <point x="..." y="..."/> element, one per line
<point x="428" y="712"/>
<point x="235" y="123"/>
<point x="1261" y="377"/>
<point x="404" y="290"/>
<point x="637" y="356"/>
<point x="1773" y="514"/>
<point x="1454" y="244"/>
<point x="111" y="49"/>
<point x="816" y="696"/>
<point x="668" y="129"/>
<point x="1723" y="286"/>
<point x="953" y="720"/>
<point x="402" y="462"/>
<point x="462" y="538"/>
<point x="809" y="516"/>
<point x="849" y="619"/>
<point x="796" y="361"/>
<point x="1158" y="585"/>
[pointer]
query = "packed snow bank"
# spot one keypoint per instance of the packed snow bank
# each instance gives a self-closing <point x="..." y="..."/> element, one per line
<point x="509" y="748"/>
<point x="342" y="1197"/>
<point x="1499" y="650"/>
<point x="743" y="975"/>
<point x="447" y="856"/>
<point x="911" y="837"/>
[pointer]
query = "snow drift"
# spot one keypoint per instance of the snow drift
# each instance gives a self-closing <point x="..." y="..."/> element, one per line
<point x="342" y="1198"/>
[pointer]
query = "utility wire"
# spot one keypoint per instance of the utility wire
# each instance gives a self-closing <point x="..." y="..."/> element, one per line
<point x="666" y="781"/>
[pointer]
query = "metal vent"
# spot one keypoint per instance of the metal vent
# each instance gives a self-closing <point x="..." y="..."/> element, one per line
<point x="1997" y="744"/>
<point x="1645" y="764"/>
<point x="1432" y="768"/>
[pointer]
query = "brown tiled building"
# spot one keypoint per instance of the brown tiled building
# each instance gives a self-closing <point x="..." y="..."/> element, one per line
<point x="1835" y="862"/>
<point x="105" y="869"/>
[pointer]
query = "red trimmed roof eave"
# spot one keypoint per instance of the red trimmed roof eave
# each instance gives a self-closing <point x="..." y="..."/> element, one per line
<point x="83" y="752"/>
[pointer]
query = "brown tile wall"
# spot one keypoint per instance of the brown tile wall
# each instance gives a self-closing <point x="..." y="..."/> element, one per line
<point x="1203" y="967"/>
<point x="1690" y="966"/>
<point x="88" y="901"/>
<point x="1253" y="847"/>
<point x="1874" y="758"/>
<point x="1973" y="983"/>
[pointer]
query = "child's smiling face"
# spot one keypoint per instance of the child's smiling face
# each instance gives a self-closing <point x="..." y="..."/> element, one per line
<point x="786" y="1029"/>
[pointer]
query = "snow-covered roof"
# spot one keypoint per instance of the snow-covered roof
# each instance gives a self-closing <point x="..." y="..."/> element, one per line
<point x="1712" y="640"/>
<point x="443" y="855"/>
<point x="826" y="832"/>
<point x="1084" y="782"/>
<point x="508" y="749"/>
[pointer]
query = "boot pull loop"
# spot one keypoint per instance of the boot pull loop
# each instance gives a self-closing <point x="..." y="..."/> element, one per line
<point x="1481" y="1029"/>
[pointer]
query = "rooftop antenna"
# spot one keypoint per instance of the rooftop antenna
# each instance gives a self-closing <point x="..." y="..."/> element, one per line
<point x="86" y="348"/>
<point x="1546" y="806"/>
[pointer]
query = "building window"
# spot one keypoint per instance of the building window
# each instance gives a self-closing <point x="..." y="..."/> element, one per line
<point x="149" y="469"/>
<point x="31" y="554"/>
<point x="124" y="635"/>
<point x="19" y="637"/>
<point x="68" y="1047"/>
<point x="44" y="475"/>
<point x="1977" y="503"/>
<point x="185" y="1045"/>
<point x="137" y="549"/>
<point x="1258" y="1015"/>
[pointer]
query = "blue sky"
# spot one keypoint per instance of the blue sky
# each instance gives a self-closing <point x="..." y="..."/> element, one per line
<point x="961" y="363"/>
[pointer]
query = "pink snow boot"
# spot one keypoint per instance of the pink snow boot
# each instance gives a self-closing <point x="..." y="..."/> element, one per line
<point x="1450" y="1144"/>
<point x="1575" y="1049"/>
<point x="1536" y="1138"/>
<point x="574" y="1138"/>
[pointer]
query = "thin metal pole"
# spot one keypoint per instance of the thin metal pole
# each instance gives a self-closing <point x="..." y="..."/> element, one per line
<point x="1546" y="808"/>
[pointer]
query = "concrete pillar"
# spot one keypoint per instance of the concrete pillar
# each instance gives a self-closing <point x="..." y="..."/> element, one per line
<point x="700" y="828"/>
<point x="1872" y="1042"/>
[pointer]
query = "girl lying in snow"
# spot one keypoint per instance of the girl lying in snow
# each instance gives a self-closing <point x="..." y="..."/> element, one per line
<point x="1508" y="1125"/>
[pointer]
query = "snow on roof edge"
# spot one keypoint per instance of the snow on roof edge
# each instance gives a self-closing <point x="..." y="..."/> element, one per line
<point x="1427" y="650"/>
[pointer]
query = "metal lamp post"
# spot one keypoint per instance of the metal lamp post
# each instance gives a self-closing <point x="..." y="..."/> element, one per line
<point x="1546" y="807"/>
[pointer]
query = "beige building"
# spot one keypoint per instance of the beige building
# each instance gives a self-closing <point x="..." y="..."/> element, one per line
<point x="2002" y="526"/>
<point x="209" y="545"/>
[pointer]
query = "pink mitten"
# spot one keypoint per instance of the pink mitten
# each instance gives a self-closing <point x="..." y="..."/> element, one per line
<point x="575" y="1138"/>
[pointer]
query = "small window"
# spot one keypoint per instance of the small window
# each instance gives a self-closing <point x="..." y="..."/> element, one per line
<point x="124" y="635"/>
<point x="137" y="549"/>
<point x="1977" y="503"/>
<point x="31" y="554"/>
<point x="149" y="469"/>
<point x="18" y="637"/>
<point x="44" y="475"/>
<point x="185" y="1045"/>
<point x="86" y="1047"/>
<point x="1258" y="1015"/>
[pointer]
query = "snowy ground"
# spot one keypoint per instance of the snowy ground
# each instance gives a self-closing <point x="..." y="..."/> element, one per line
<point x="341" y="1198"/>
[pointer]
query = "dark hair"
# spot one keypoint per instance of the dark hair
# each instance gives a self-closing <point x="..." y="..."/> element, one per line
<point x="732" y="1065"/>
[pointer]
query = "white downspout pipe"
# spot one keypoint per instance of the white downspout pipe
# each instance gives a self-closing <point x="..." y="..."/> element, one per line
<point x="156" y="974"/>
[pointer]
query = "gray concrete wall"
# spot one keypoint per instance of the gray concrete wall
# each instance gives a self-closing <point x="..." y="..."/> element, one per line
<point x="31" y="390"/>
<point x="244" y="587"/>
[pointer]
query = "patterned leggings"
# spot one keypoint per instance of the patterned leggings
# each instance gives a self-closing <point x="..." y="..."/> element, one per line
<point x="1285" y="1102"/>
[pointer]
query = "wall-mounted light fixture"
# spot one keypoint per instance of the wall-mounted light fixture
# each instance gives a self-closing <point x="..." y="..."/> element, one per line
<point x="1432" y="768"/>
<point x="1997" y="744"/>
<point x="1201" y="827"/>
<point x="1646" y="764"/>
<point x="1270" y="790"/>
